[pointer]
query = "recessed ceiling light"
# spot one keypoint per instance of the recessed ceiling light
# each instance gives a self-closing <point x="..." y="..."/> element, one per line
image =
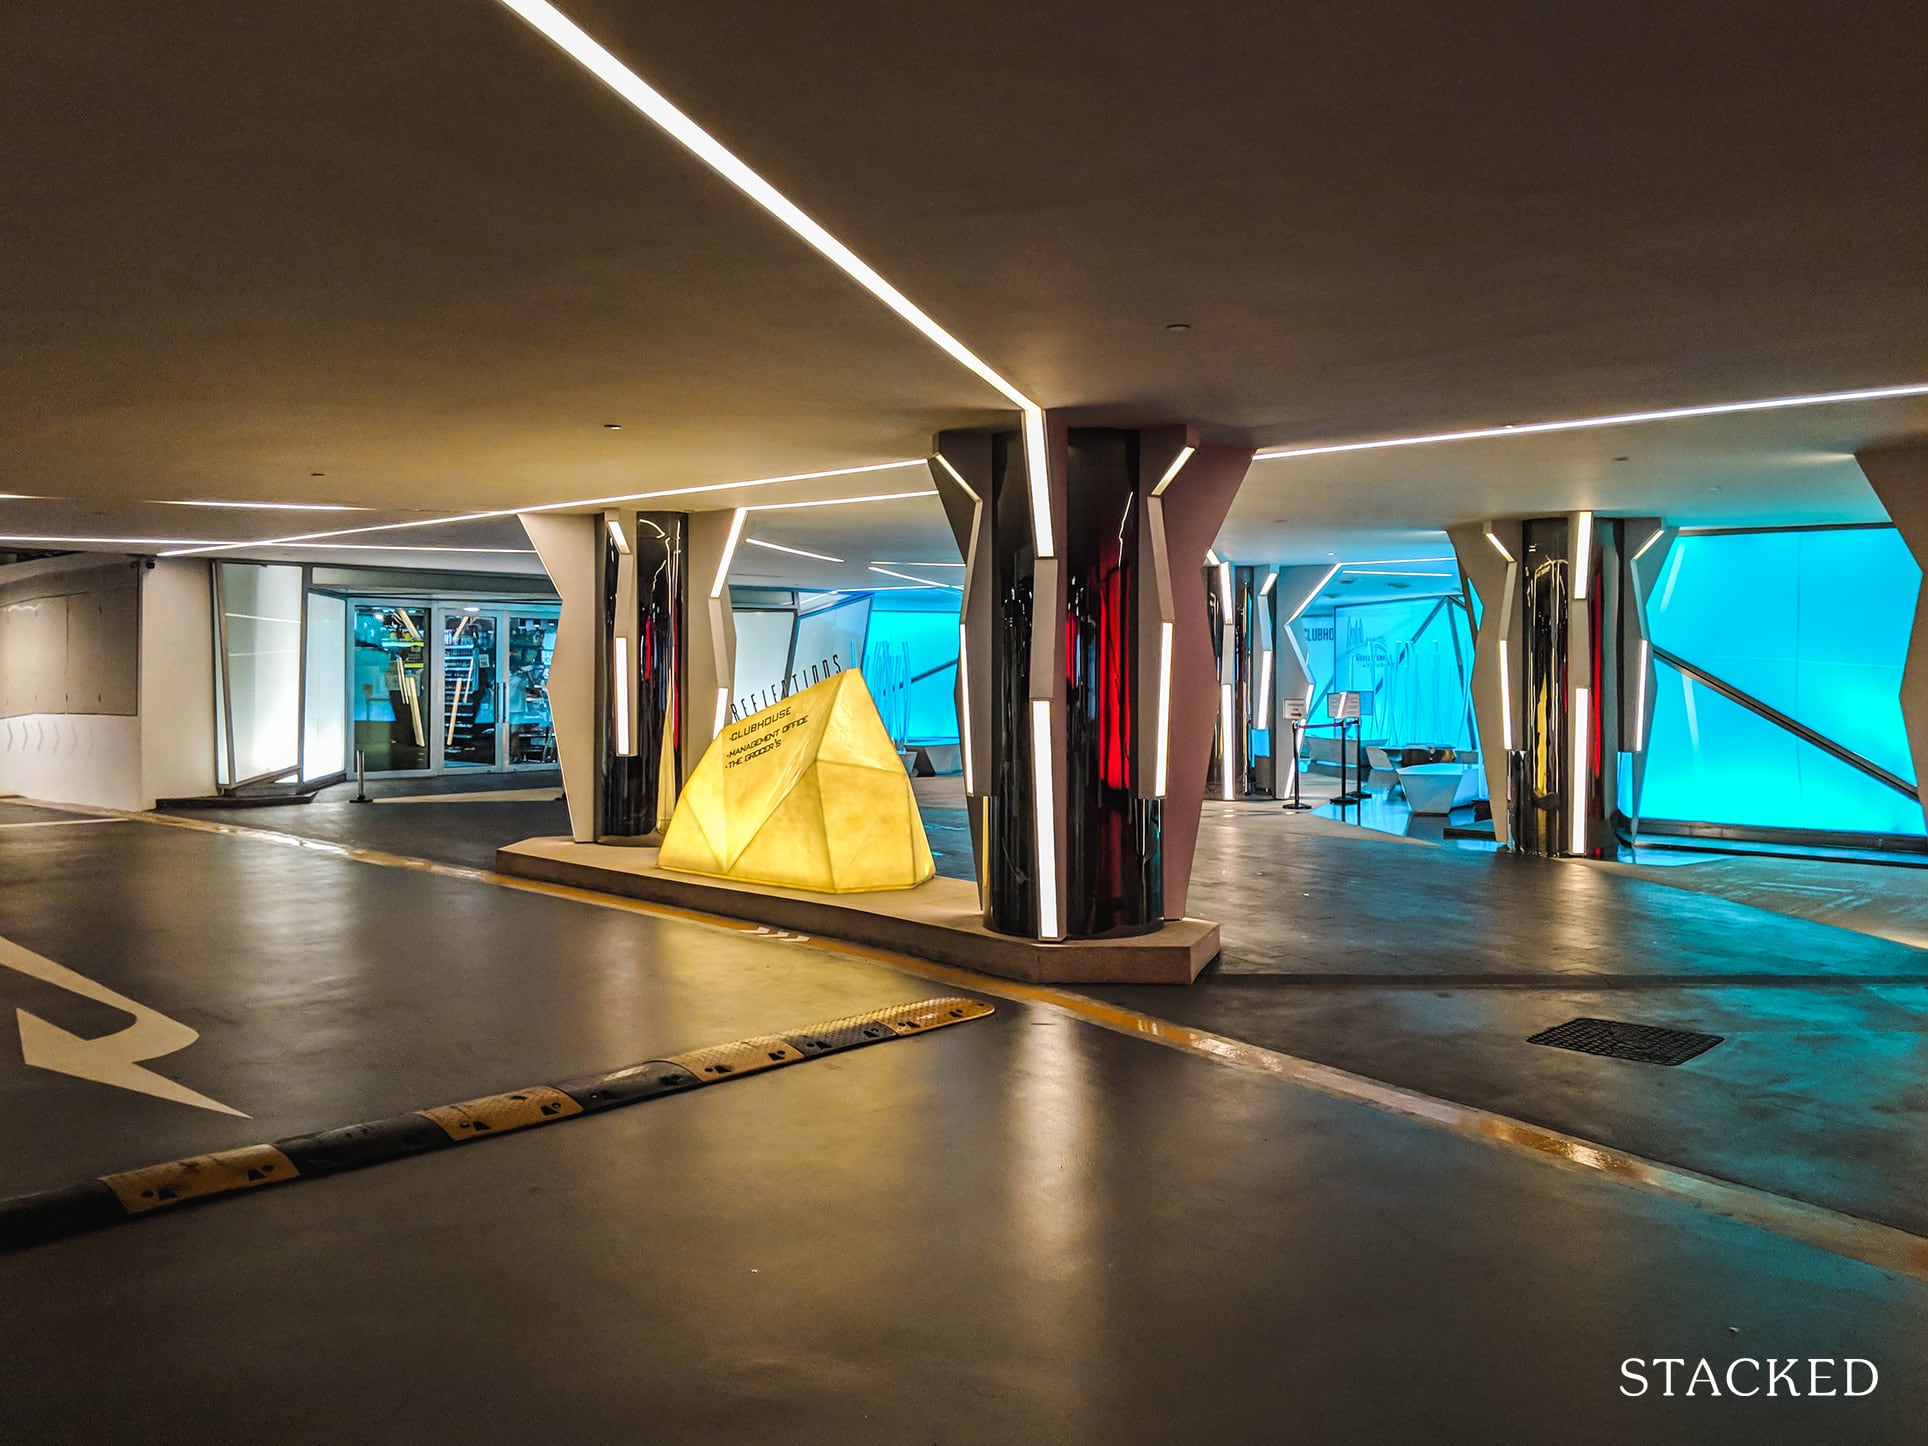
<point x="839" y="501"/>
<point x="579" y="503"/>
<point x="921" y="581"/>
<point x="1618" y="419"/>
<point x="579" y="46"/>
<point x="265" y="506"/>
<point x="612" y="426"/>
<point x="793" y="551"/>
<point x="21" y="537"/>
<point x="1178" y="326"/>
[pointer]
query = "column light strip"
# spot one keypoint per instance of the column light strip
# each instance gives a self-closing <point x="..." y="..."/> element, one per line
<point x="1225" y="741"/>
<point x="1038" y="472"/>
<point x="957" y="476"/>
<point x="1164" y="709"/>
<point x="964" y="700"/>
<point x="1583" y="557"/>
<point x="737" y="520"/>
<point x="1044" y="815"/>
<point x="1177" y="466"/>
<point x="1640" y="700"/>
<point x="625" y="747"/>
<point x="1506" y="702"/>
<point x="1577" y="830"/>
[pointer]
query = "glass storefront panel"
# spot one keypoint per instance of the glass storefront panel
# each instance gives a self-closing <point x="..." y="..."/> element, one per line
<point x="389" y="697"/>
<point x="531" y="730"/>
<point x="469" y="675"/>
<point x="324" y="744"/>
<point x="259" y="671"/>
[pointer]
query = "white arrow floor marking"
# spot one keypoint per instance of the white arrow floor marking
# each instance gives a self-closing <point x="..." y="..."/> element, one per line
<point x="112" y="1059"/>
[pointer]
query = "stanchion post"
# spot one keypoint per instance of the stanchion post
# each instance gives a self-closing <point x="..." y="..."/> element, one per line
<point x="361" y="779"/>
<point x="1295" y="806"/>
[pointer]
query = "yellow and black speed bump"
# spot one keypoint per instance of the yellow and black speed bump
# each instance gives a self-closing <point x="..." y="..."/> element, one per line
<point x="55" y="1214"/>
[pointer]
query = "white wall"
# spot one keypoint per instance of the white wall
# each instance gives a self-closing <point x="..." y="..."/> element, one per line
<point x="126" y="760"/>
<point x="90" y="758"/>
<point x="177" y="682"/>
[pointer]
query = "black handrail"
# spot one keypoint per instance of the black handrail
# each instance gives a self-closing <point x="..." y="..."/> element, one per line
<point x="1781" y="720"/>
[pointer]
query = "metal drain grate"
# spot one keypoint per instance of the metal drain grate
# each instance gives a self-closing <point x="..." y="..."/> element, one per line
<point x="1647" y="1043"/>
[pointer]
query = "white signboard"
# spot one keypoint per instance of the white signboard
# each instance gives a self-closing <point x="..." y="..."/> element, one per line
<point x="1342" y="707"/>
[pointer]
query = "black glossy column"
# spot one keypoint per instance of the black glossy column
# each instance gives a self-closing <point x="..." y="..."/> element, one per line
<point x="645" y="583"/>
<point x="1113" y="837"/>
<point x="1078" y="692"/>
<point x="1008" y="849"/>
<point x="1572" y="713"/>
<point x="1545" y="577"/>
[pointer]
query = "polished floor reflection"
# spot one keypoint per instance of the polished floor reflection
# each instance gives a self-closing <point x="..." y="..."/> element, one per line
<point x="1029" y="1229"/>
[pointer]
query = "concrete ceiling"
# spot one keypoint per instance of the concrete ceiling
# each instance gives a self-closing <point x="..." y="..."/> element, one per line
<point x="414" y="249"/>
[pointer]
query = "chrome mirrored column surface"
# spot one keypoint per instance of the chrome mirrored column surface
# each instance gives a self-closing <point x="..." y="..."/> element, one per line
<point x="1009" y="846"/>
<point x="642" y="772"/>
<point x="1545" y="578"/>
<point x="1114" y="868"/>
<point x="1597" y="742"/>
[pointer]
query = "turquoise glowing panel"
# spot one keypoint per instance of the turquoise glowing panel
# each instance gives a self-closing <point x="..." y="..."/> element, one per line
<point x="911" y="669"/>
<point x="1712" y="761"/>
<point x="1412" y="662"/>
<point x="1814" y="624"/>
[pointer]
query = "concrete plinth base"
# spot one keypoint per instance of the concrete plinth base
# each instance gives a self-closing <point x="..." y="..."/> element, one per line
<point x="938" y="920"/>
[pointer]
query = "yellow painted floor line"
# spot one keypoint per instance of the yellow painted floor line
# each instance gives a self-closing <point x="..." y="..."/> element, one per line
<point x="1837" y="1232"/>
<point x="494" y="795"/>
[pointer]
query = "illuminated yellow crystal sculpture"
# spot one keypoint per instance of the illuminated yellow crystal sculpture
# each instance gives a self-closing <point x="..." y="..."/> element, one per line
<point x="807" y="794"/>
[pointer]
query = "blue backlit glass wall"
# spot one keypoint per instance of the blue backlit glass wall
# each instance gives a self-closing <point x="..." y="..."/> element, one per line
<point x="1815" y="625"/>
<point x="1410" y="660"/>
<point x="910" y="664"/>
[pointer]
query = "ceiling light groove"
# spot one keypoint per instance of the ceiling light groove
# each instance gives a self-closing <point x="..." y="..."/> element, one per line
<point x="580" y="46"/>
<point x="1618" y="419"/>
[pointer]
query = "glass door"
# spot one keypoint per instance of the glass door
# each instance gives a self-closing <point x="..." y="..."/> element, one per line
<point x="388" y="696"/>
<point x="530" y="737"/>
<point x="470" y="725"/>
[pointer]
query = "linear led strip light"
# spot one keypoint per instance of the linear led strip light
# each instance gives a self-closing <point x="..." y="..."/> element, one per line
<point x="1225" y="741"/>
<point x="920" y="581"/>
<point x="1043" y="812"/>
<point x="1506" y="702"/>
<point x="580" y="503"/>
<point x="1617" y="419"/>
<point x="1583" y="557"/>
<point x="793" y="551"/>
<point x="577" y="44"/>
<point x="1164" y="709"/>
<point x="625" y="748"/>
<point x="1171" y="472"/>
<point x="1640" y="701"/>
<point x="1581" y="734"/>
<point x="729" y="552"/>
<point x="964" y="701"/>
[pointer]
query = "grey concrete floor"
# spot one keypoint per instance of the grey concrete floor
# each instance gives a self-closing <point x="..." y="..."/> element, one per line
<point x="1025" y="1229"/>
<point x="1429" y="968"/>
